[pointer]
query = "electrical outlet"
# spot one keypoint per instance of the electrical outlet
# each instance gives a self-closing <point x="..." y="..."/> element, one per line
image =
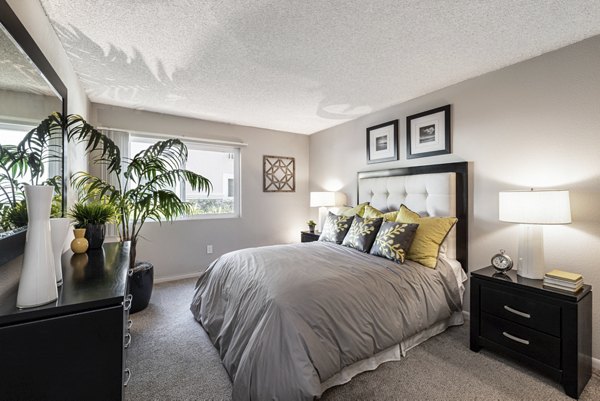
<point x="209" y="249"/>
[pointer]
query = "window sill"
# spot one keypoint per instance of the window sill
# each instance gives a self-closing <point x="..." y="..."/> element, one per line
<point x="201" y="217"/>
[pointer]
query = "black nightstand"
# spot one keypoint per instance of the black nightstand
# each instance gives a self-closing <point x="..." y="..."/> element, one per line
<point x="307" y="236"/>
<point x="545" y="329"/>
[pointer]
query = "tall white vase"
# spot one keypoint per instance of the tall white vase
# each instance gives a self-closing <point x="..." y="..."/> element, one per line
<point x="59" y="229"/>
<point x="37" y="285"/>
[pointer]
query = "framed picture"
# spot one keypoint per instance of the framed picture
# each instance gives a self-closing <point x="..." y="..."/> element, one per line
<point x="279" y="174"/>
<point x="382" y="142"/>
<point x="428" y="133"/>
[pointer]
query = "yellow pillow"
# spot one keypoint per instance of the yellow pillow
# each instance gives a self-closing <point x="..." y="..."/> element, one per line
<point x="356" y="210"/>
<point x="429" y="237"/>
<point x="372" y="213"/>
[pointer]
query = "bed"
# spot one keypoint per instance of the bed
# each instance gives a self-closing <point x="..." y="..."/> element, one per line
<point x="291" y="321"/>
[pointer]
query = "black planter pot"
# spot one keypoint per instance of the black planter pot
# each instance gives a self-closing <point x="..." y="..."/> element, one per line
<point x="141" y="281"/>
<point x="94" y="233"/>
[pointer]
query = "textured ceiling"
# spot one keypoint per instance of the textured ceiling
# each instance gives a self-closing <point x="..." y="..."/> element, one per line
<point x="300" y="66"/>
<point x="17" y="72"/>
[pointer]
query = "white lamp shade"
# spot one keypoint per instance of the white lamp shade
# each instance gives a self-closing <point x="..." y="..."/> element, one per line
<point x="327" y="199"/>
<point x="535" y="207"/>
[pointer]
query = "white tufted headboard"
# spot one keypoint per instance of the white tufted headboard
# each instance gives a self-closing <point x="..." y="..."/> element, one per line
<point x="436" y="190"/>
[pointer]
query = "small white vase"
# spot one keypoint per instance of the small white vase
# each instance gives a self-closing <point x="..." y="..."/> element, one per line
<point x="59" y="229"/>
<point x="37" y="285"/>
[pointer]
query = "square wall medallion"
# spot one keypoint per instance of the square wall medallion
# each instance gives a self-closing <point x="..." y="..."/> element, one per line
<point x="279" y="174"/>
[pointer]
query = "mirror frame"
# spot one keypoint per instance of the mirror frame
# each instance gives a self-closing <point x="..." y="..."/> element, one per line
<point x="14" y="245"/>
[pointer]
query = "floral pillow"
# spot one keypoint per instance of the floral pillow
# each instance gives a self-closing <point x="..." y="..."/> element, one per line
<point x="393" y="240"/>
<point x="335" y="228"/>
<point x="362" y="233"/>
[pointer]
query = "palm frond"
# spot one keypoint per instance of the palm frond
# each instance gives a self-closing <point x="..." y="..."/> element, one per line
<point x="79" y="130"/>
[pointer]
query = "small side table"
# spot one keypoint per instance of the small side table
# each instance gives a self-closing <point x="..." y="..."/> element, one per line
<point x="549" y="330"/>
<point x="307" y="236"/>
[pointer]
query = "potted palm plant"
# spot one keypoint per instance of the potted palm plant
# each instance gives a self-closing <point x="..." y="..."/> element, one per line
<point x="143" y="189"/>
<point x="93" y="216"/>
<point x="15" y="165"/>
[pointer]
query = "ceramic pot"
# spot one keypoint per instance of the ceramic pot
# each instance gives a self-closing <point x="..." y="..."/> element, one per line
<point x="141" y="282"/>
<point x="79" y="244"/>
<point x="59" y="228"/>
<point x="311" y="229"/>
<point x="94" y="233"/>
<point x="37" y="285"/>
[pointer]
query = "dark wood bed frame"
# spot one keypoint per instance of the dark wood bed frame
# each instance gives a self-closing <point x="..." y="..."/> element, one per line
<point x="462" y="197"/>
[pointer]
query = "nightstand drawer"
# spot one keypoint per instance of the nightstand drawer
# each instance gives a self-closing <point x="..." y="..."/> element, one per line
<point x="528" y="311"/>
<point x="539" y="346"/>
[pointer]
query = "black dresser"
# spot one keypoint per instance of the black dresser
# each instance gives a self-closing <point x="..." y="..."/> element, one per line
<point x="74" y="348"/>
<point x="546" y="329"/>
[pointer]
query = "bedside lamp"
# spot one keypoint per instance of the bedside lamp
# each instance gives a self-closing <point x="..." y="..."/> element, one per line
<point x="323" y="200"/>
<point x="532" y="209"/>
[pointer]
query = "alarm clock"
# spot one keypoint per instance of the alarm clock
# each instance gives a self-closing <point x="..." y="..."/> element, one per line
<point x="502" y="262"/>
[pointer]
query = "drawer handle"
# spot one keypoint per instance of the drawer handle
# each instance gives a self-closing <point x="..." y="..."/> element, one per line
<point x="129" y="324"/>
<point x="517" y="312"/>
<point x="514" y="338"/>
<point x="127" y="342"/>
<point x="127" y="377"/>
<point x="128" y="300"/>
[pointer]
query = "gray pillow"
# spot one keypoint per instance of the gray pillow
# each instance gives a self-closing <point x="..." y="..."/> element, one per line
<point x="335" y="228"/>
<point x="393" y="240"/>
<point x="362" y="233"/>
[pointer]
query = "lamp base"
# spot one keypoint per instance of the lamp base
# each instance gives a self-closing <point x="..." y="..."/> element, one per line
<point x="531" y="252"/>
<point x="322" y="216"/>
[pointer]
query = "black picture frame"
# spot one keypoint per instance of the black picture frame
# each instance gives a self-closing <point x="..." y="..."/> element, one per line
<point x="386" y="136"/>
<point x="440" y="142"/>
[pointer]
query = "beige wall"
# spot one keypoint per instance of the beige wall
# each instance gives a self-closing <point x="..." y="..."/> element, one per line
<point x="179" y="248"/>
<point x="533" y="124"/>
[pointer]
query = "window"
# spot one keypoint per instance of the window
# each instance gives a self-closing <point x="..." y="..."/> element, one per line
<point x="219" y="163"/>
<point x="13" y="134"/>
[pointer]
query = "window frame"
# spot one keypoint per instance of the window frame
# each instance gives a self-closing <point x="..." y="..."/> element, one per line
<point x="198" y="144"/>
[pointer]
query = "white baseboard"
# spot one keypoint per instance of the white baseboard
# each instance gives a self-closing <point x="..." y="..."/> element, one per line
<point x="175" y="278"/>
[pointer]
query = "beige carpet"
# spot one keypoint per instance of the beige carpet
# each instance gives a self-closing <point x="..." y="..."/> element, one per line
<point x="172" y="359"/>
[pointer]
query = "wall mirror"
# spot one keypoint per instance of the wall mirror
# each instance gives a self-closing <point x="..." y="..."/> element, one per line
<point x="30" y="90"/>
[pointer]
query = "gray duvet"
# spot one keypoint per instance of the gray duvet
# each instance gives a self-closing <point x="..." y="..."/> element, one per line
<point x="286" y="318"/>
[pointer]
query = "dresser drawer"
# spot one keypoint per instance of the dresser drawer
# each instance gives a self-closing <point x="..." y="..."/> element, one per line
<point x="528" y="311"/>
<point x="537" y="345"/>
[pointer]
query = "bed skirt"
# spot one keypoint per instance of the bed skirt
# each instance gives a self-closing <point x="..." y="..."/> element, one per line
<point x="393" y="353"/>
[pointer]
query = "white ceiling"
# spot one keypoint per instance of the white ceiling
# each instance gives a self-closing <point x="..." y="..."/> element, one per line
<point x="300" y="66"/>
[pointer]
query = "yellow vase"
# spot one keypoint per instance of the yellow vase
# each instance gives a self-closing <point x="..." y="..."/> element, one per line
<point x="79" y="244"/>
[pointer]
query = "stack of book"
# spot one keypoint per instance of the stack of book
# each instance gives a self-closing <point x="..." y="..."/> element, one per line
<point x="565" y="281"/>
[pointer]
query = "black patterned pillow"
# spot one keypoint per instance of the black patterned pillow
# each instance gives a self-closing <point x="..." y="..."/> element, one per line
<point x="362" y="233"/>
<point x="393" y="240"/>
<point x="335" y="228"/>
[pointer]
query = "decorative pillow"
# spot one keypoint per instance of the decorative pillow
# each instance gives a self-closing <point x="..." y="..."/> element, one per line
<point x="335" y="228"/>
<point x="356" y="210"/>
<point x="431" y="233"/>
<point x="372" y="212"/>
<point x="362" y="233"/>
<point x="393" y="240"/>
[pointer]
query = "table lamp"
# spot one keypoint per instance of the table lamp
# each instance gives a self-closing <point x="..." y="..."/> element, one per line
<point x="323" y="200"/>
<point x="532" y="209"/>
